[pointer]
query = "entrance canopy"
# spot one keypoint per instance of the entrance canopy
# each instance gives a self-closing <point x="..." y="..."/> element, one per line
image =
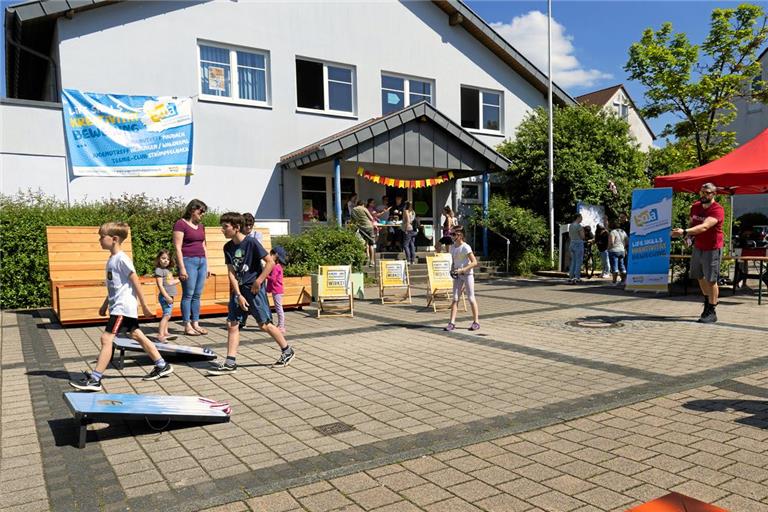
<point x="417" y="136"/>
<point x="742" y="171"/>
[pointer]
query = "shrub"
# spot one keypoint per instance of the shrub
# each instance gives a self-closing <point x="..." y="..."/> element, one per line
<point x="24" y="281"/>
<point x="321" y="245"/>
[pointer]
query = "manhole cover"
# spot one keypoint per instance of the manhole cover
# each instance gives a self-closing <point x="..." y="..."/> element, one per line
<point x="595" y="324"/>
<point x="334" y="428"/>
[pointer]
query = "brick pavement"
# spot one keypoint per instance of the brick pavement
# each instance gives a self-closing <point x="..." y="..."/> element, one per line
<point x="528" y="413"/>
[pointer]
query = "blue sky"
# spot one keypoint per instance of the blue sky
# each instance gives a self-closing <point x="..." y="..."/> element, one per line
<point x="591" y="39"/>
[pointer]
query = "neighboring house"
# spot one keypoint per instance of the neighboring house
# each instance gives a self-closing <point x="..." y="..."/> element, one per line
<point x="616" y="99"/>
<point x="301" y="92"/>
<point x="751" y="116"/>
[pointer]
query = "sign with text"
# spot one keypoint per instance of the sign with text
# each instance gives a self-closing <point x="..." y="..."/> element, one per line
<point x="392" y="273"/>
<point x="439" y="271"/>
<point x="121" y="135"/>
<point x="649" y="239"/>
<point x="334" y="281"/>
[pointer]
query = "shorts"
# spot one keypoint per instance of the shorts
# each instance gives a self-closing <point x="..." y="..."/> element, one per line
<point x="258" y="306"/>
<point x="118" y="324"/>
<point x="446" y="240"/>
<point x="367" y="234"/>
<point x="706" y="264"/>
<point x="167" y="308"/>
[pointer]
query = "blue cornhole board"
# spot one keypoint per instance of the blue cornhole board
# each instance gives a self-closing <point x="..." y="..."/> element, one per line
<point x="165" y="349"/>
<point x="88" y="407"/>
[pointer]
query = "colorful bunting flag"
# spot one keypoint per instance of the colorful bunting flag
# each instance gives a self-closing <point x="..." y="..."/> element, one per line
<point x="400" y="183"/>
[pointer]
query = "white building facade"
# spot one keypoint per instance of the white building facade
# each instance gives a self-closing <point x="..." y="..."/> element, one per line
<point x="269" y="79"/>
<point x="616" y="100"/>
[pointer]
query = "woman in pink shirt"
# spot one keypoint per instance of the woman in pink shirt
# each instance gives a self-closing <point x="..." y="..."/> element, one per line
<point x="275" y="284"/>
<point x="192" y="258"/>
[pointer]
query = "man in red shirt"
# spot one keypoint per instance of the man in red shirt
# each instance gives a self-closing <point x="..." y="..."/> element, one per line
<point x="706" y="228"/>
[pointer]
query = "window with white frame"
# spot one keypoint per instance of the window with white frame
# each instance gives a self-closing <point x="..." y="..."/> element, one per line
<point x="397" y="92"/>
<point x="325" y="87"/>
<point x="236" y="74"/>
<point x="621" y="106"/>
<point x="481" y="109"/>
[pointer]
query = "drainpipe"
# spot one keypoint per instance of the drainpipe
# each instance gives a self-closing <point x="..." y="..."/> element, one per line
<point x="337" y="184"/>
<point x="486" y="194"/>
<point x="42" y="56"/>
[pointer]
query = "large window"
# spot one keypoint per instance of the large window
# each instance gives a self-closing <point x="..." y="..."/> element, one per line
<point x="325" y="87"/>
<point x="621" y="106"/>
<point x="397" y="92"/>
<point x="234" y="74"/>
<point x="317" y="196"/>
<point x="481" y="109"/>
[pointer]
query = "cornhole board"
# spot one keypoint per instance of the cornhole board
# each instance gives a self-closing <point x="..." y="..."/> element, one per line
<point x="676" y="502"/>
<point x="165" y="349"/>
<point x="88" y="407"/>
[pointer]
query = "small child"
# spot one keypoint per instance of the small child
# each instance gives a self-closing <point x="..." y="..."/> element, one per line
<point x="464" y="280"/>
<point x="122" y="291"/>
<point x="248" y="265"/>
<point x="166" y="286"/>
<point x="275" y="285"/>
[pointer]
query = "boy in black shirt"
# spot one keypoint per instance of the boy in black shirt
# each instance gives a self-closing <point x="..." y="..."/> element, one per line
<point x="248" y="264"/>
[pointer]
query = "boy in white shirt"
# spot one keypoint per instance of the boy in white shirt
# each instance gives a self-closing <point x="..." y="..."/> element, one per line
<point x="122" y="290"/>
<point x="464" y="280"/>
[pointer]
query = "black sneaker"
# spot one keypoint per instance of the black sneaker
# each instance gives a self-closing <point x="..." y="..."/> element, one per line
<point x="285" y="358"/>
<point x="86" y="383"/>
<point x="705" y="311"/>
<point x="710" y="317"/>
<point x="222" y="369"/>
<point x="158" y="372"/>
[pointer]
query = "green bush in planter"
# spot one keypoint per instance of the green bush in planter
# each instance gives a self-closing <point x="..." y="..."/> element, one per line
<point x="24" y="281"/>
<point x="321" y="245"/>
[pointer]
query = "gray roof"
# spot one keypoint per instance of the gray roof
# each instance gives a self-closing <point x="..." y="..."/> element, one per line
<point x="418" y="135"/>
<point x="37" y="9"/>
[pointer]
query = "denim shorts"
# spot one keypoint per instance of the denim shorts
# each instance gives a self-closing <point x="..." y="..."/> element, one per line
<point x="167" y="308"/>
<point x="258" y="305"/>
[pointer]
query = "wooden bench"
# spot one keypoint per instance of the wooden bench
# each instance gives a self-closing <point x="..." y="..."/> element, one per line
<point x="76" y="267"/>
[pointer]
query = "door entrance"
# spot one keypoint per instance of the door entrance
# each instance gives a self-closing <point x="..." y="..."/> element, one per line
<point x="422" y="200"/>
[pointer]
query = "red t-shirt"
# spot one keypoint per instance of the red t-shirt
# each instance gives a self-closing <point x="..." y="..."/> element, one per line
<point x="713" y="237"/>
<point x="192" y="244"/>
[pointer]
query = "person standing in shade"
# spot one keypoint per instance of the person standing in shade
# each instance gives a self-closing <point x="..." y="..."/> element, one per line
<point x="192" y="258"/>
<point x="601" y="240"/>
<point x="364" y="221"/>
<point x="576" y="248"/>
<point x="706" y="228"/>
<point x="409" y="233"/>
<point x="617" y="251"/>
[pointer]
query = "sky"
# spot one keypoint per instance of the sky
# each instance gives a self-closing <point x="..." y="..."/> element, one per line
<point x="590" y="39"/>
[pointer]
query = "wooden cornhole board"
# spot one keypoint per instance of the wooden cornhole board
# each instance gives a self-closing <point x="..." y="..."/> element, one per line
<point x="393" y="276"/>
<point x="88" y="407"/>
<point x="334" y="291"/>
<point x="165" y="349"/>
<point x="676" y="502"/>
<point x="440" y="293"/>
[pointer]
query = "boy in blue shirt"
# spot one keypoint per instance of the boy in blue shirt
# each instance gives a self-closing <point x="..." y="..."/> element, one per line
<point x="248" y="265"/>
<point x="122" y="291"/>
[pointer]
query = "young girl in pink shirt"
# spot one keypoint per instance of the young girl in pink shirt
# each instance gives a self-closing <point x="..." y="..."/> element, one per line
<point x="275" y="284"/>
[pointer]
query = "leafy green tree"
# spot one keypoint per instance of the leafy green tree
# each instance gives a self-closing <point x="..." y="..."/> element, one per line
<point x="597" y="161"/>
<point x="698" y="83"/>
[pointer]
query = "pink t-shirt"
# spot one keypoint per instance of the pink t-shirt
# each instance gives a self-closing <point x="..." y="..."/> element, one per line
<point x="192" y="244"/>
<point x="275" y="280"/>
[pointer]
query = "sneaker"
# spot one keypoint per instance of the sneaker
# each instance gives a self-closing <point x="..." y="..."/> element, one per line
<point x="86" y="383"/>
<point x="449" y="327"/>
<point x="158" y="372"/>
<point x="222" y="369"/>
<point x="285" y="358"/>
<point x="474" y="327"/>
<point x="709" y="318"/>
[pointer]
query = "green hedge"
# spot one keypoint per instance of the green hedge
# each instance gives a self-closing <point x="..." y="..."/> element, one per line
<point x="321" y="245"/>
<point x="24" y="279"/>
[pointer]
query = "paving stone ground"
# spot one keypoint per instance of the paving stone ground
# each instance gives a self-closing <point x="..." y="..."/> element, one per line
<point x="532" y="412"/>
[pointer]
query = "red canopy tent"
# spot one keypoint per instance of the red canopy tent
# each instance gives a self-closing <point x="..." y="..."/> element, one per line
<point x="742" y="171"/>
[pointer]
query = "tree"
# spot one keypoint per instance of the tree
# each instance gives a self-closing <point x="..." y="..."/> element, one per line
<point x="699" y="83"/>
<point x="597" y="161"/>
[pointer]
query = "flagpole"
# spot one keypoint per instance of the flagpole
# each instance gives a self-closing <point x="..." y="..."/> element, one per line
<point x="550" y="181"/>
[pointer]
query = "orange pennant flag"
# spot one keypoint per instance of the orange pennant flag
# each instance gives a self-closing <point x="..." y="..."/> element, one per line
<point x="360" y="171"/>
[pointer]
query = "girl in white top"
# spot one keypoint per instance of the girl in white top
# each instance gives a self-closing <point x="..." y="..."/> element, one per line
<point x="464" y="280"/>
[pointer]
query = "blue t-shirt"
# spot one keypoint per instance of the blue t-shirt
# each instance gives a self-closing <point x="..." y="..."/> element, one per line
<point x="245" y="259"/>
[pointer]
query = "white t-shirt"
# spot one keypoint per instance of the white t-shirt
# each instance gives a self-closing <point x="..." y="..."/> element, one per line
<point x="460" y="254"/>
<point x="122" y="300"/>
<point x="619" y="240"/>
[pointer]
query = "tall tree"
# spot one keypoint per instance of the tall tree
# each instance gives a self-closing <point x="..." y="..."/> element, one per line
<point x="597" y="161"/>
<point x="699" y="83"/>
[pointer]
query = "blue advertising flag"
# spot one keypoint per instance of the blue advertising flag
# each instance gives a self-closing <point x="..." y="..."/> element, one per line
<point x="120" y="135"/>
<point x="649" y="239"/>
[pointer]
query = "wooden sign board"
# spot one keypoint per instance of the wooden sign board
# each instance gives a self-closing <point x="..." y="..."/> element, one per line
<point x="334" y="283"/>
<point x="440" y="290"/>
<point x="393" y="275"/>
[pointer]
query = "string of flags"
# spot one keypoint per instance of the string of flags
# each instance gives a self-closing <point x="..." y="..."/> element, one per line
<point x="400" y="183"/>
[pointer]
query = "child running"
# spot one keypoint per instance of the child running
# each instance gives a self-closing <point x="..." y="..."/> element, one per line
<point x="122" y="290"/>
<point x="275" y="285"/>
<point x="166" y="287"/>
<point x="464" y="280"/>
<point x="248" y="265"/>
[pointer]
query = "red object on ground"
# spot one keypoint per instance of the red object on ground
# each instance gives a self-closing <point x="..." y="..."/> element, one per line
<point x="742" y="171"/>
<point x="675" y="502"/>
